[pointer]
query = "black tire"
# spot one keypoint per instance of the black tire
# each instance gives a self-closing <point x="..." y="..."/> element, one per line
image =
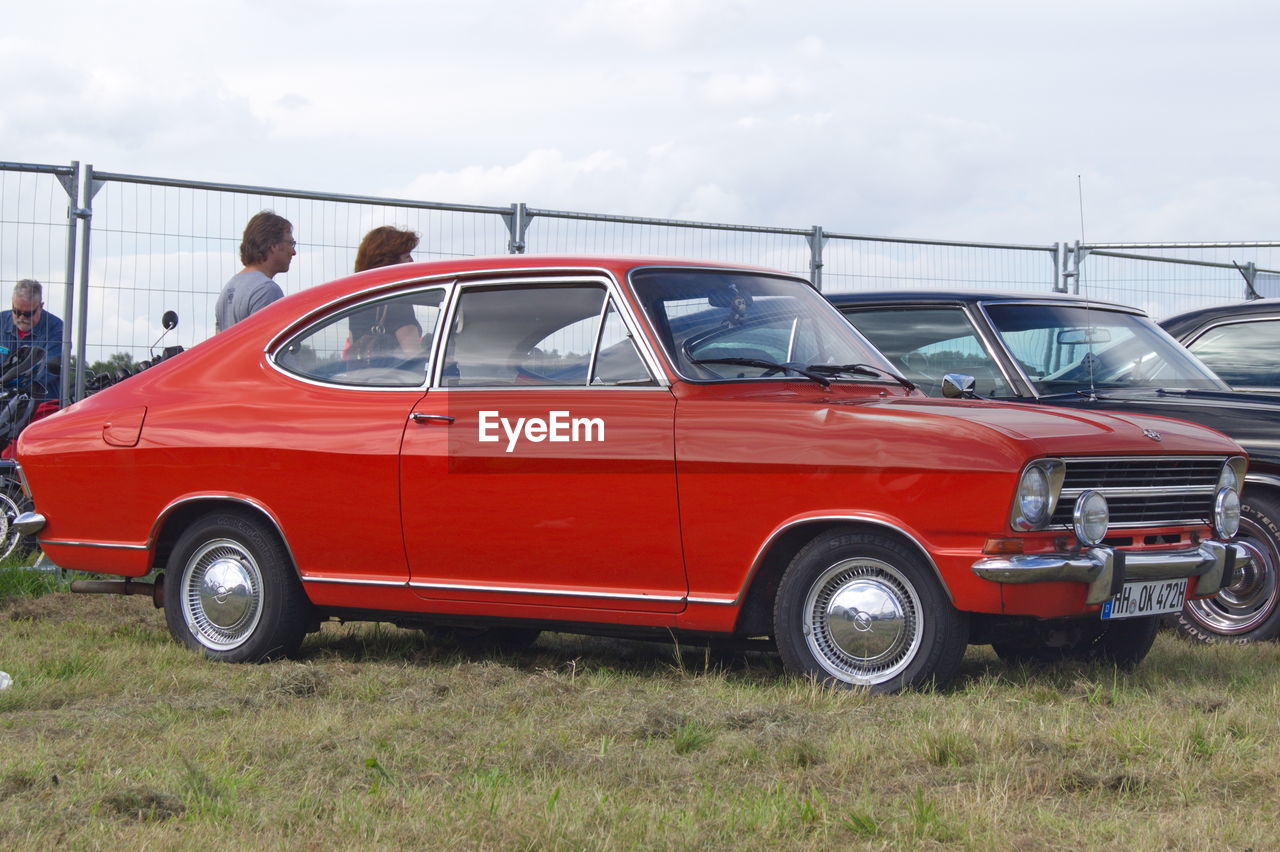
<point x="230" y="591"/>
<point x="861" y="609"/>
<point x="1246" y="609"/>
<point x="1123" y="643"/>
<point x="13" y="502"/>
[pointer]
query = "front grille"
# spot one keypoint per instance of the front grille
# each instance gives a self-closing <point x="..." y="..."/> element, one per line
<point x="1145" y="491"/>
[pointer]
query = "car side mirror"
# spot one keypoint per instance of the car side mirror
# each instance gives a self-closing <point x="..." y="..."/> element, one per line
<point x="959" y="386"/>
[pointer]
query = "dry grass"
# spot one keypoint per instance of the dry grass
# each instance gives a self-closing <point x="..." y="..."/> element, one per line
<point x="112" y="735"/>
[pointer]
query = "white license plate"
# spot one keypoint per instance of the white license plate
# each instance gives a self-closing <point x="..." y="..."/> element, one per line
<point x="1146" y="597"/>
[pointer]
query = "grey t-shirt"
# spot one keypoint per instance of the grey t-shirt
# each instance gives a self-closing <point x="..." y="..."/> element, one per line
<point x="245" y="293"/>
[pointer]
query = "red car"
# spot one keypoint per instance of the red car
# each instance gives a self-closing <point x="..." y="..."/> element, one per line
<point x="639" y="447"/>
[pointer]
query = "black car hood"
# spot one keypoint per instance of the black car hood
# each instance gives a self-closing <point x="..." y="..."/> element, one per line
<point x="1252" y="419"/>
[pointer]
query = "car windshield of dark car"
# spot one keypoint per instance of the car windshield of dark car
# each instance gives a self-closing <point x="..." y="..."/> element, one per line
<point x="1068" y="348"/>
<point x="705" y="318"/>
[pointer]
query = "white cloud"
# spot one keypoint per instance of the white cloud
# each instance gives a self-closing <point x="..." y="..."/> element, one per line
<point x="649" y="23"/>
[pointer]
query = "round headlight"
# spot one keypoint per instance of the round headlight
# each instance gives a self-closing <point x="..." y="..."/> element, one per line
<point x="1226" y="513"/>
<point x="1091" y="517"/>
<point x="1229" y="477"/>
<point x="1033" y="498"/>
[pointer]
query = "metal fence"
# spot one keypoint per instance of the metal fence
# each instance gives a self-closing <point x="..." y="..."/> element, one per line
<point x="150" y="244"/>
<point x="38" y="218"/>
<point x="1167" y="278"/>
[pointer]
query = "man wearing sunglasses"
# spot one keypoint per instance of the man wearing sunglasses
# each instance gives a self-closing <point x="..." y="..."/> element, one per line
<point x="27" y="323"/>
<point x="266" y="250"/>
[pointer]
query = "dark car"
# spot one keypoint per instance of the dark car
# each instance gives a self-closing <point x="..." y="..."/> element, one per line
<point x="1069" y="351"/>
<point x="1241" y="342"/>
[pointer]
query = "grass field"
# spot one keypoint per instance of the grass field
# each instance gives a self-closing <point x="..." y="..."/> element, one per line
<point x="112" y="735"/>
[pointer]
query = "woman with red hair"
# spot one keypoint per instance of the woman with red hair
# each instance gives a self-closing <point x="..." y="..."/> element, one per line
<point x="378" y="330"/>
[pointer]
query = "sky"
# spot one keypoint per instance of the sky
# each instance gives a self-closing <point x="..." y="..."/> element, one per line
<point x="986" y="121"/>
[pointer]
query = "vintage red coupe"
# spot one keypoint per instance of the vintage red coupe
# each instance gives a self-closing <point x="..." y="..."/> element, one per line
<point x="636" y="447"/>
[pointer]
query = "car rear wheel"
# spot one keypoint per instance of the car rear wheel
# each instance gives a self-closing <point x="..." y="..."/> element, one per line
<point x="231" y="592"/>
<point x="1246" y="609"/>
<point x="1123" y="643"/>
<point x="857" y="609"/>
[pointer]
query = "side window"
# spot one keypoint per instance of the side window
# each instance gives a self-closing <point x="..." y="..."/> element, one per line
<point x="617" y="360"/>
<point x="1244" y="354"/>
<point x="548" y="335"/>
<point x="383" y="343"/>
<point x="927" y="343"/>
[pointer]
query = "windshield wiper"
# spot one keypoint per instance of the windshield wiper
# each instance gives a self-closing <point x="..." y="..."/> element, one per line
<point x="808" y="373"/>
<point x="860" y="370"/>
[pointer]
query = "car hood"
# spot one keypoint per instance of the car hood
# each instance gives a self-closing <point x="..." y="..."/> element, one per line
<point x="1058" y="431"/>
<point x="1251" y="419"/>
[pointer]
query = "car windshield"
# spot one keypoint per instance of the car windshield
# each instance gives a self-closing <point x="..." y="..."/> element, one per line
<point x="1069" y="348"/>
<point x="717" y="325"/>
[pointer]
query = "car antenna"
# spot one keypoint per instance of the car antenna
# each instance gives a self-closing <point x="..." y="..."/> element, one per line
<point x="1088" y="334"/>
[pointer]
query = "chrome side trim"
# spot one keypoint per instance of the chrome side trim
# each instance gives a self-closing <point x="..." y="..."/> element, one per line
<point x="101" y="545"/>
<point x="351" y="582"/>
<point x="518" y="590"/>
<point x="755" y="564"/>
<point x="524" y="590"/>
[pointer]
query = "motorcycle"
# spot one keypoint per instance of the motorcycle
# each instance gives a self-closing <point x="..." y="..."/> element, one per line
<point x="23" y="400"/>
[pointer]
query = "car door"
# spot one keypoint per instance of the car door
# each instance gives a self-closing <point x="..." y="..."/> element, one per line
<point x="335" y="427"/>
<point x="539" y="470"/>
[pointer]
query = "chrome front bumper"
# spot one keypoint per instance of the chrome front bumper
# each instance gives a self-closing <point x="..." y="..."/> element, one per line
<point x="1106" y="569"/>
<point x="29" y="523"/>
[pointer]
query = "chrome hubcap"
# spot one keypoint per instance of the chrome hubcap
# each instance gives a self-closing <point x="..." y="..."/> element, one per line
<point x="222" y="594"/>
<point x="1251" y="597"/>
<point x="862" y="621"/>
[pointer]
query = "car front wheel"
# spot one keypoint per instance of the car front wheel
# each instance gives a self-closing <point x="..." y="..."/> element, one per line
<point x="856" y="609"/>
<point x="1246" y="609"/>
<point x="230" y="591"/>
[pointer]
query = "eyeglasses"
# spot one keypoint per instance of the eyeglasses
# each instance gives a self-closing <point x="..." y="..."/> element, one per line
<point x="25" y="314"/>
<point x="289" y="243"/>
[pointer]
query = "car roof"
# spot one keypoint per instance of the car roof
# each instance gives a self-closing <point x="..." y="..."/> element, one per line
<point x="1179" y="324"/>
<point x="952" y="297"/>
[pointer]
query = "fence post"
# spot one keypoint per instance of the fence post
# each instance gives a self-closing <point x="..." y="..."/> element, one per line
<point x="817" y="241"/>
<point x="71" y="184"/>
<point x="1077" y="253"/>
<point x="1250" y="273"/>
<point x="517" y="223"/>
<point x="85" y="212"/>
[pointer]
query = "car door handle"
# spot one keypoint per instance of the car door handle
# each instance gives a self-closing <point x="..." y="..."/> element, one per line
<point x="418" y="417"/>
